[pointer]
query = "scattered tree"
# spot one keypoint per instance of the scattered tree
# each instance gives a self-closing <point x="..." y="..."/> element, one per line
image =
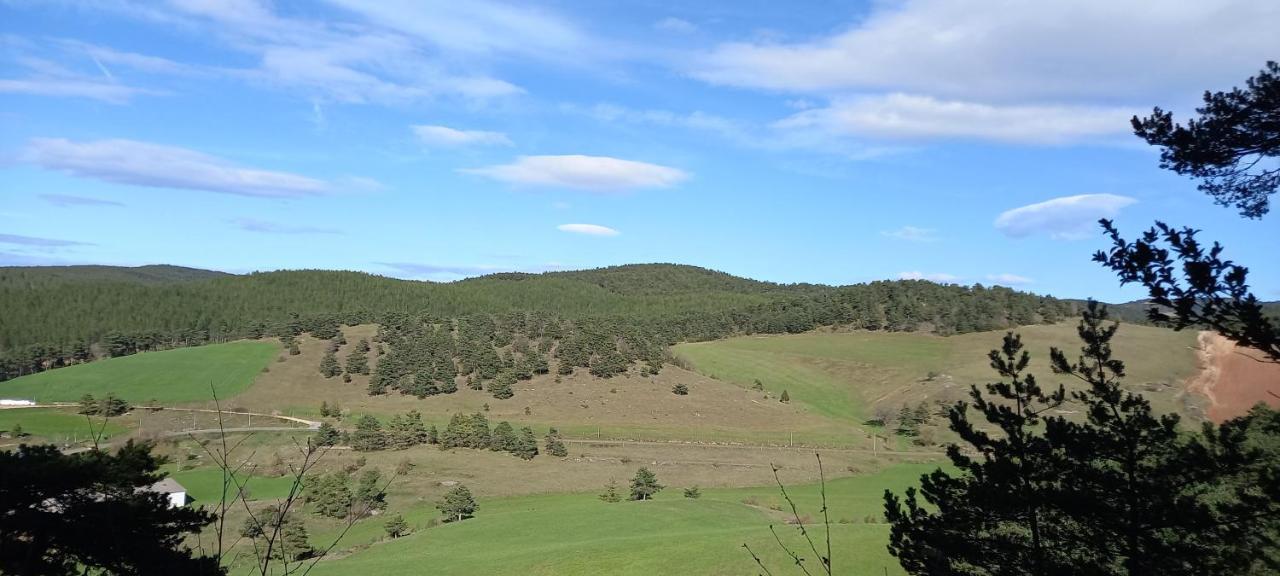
<point x="396" y="526"/>
<point x="692" y="492"/>
<point x="611" y="493"/>
<point x="644" y="485"/>
<point x="329" y="365"/>
<point x="458" y="504"/>
<point x="680" y="389"/>
<point x="369" y="435"/>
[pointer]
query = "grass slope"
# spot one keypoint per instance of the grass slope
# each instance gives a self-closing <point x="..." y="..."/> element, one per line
<point x="204" y="485"/>
<point x="578" y="534"/>
<point x="841" y="375"/>
<point x="180" y="375"/>
<point x="54" y="424"/>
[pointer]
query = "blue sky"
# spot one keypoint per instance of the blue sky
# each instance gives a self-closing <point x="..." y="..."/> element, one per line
<point x="834" y="142"/>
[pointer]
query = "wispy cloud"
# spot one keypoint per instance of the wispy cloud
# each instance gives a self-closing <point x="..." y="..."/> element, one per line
<point x="931" y="276"/>
<point x="266" y="227"/>
<point x="35" y="241"/>
<point x="68" y="200"/>
<point x="1009" y="279"/>
<point x="104" y="91"/>
<point x="454" y="271"/>
<point x="982" y="51"/>
<point x="591" y="173"/>
<point x="160" y="166"/>
<point x="912" y="234"/>
<point x="1064" y="218"/>
<point x="675" y="25"/>
<point x="588" y="229"/>
<point x="914" y="117"/>
<point x="452" y="137"/>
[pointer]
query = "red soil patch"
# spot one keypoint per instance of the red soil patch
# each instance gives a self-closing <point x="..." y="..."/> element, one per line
<point x="1233" y="378"/>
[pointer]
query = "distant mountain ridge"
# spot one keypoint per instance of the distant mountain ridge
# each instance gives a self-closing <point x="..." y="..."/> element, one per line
<point x="149" y="274"/>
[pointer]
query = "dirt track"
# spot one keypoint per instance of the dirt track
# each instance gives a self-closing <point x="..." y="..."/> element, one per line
<point x="1233" y="378"/>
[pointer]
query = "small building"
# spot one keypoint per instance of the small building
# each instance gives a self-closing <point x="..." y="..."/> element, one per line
<point x="176" y="492"/>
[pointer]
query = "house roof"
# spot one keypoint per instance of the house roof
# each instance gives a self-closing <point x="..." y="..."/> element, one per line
<point x="167" y="486"/>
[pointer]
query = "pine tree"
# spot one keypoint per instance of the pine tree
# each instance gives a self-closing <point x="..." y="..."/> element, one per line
<point x="500" y="387"/>
<point x="324" y="409"/>
<point x="294" y="542"/>
<point x="433" y="435"/>
<point x="644" y="485"/>
<point x="326" y="435"/>
<point x="329" y="365"/>
<point x="396" y="526"/>
<point x="331" y="494"/>
<point x="785" y="397"/>
<point x="369" y="435"/>
<point x="88" y="405"/>
<point x="611" y="493"/>
<point x="680" y="389"/>
<point x="369" y="495"/>
<point x="503" y="438"/>
<point x="526" y="445"/>
<point x="458" y="504"/>
<point x="555" y="446"/>
<point x="692" y="492"/>
<point x="358" y="361"/>
<point x="907" y="424"/>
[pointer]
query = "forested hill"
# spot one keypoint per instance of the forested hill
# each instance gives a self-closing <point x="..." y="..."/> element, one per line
<point x="55" y="313"/>
<point x="42" y="276"/>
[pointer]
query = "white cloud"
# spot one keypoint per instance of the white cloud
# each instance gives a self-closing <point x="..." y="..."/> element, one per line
<point x="588" y="229"/>
<point x="932" y="277"/>
<point x="594" y="173"/>
<point x="999" y="51"/>
<point x="1065" y="218"/>
<point x="912" y="234"/>
<point x="912" y="117"/>
<point x="161" y="166"/>
<point x="446" y="136"/>
<point x="1009" y="279"/>
<point x="675" y="25"/>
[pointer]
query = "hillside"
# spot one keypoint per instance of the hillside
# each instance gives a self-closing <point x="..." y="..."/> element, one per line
<point x="51" y="322"/>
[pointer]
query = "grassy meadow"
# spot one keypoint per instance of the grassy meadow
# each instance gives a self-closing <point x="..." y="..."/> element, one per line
<point x="170" y="376"/>
<point x="576" y="533"/>
<point x="843" y="375"/>
<point x="54" y="425"/>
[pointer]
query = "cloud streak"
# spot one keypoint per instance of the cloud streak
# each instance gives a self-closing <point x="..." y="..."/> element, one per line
<point x="68" y="200"/>
<point x="932" y="277"/>
<point x="588" y="229"/>
<point x="1064" y="218"/>
<point x="445" y="136"/>
<point x="1009" y="279"/>
<point x="912" y="234"/>
<point x="913" y="117"/>
<point x="265" y="227"/>
<point x="161" y="166"/>
<point x="37" y="242"/>
<point x="590" y="173"/>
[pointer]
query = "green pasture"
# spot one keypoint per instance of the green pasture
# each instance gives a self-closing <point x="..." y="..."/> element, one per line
<point x="579" y="534"/>
<point x="169" y="376"/>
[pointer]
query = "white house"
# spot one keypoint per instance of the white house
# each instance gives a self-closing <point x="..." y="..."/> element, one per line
<point x="171" y="488"/>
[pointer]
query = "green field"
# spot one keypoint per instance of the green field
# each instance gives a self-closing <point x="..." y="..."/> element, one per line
<point x="840" y="375"/>
<point x="579" y="534"/>
<point x="204" y="485"/>
<point x="55" y="424"/>
<point x="179" y="375"/>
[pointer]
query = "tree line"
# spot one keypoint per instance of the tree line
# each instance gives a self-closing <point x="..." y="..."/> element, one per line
<point x="639" y="309"/>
